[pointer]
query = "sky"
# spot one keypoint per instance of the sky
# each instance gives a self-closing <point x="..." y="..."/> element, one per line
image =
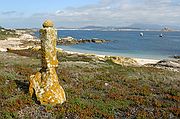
<point x="78" y="13"/>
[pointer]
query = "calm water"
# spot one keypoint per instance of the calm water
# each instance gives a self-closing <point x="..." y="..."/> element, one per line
<point x="126" y="43"/>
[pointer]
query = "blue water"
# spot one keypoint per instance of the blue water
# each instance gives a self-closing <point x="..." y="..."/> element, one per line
<point x="126" y="43"/>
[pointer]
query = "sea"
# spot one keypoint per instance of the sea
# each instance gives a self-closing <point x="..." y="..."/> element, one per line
<point x="126" y="43"/>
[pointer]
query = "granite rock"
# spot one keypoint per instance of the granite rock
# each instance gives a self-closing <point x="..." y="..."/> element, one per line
<point x="44" y="84"/>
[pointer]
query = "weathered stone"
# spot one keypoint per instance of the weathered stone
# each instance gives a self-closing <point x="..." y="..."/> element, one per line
<point x="48" y="38"/>
<point x="44" y="84"/>
<point x="125" y="61"/>
<point x="72" y="41"/>
<point x="169" y="63"/>
<point x="48" y="23"/>
<point x="46" y="87"/>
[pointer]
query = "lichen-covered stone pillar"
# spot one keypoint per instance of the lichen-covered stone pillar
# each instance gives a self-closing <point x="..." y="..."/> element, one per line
<point x="44" y="84"/>
<point x="48" y="36"/>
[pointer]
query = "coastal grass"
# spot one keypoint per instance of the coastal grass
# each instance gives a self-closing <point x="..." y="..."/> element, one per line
<point x="6" y="33"/>
<point x="94" y="89"/>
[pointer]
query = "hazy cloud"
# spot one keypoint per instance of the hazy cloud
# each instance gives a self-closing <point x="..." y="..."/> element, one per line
<point x="113" y="13"/>
<point x="119" y="12"/>
<point x="11" y="14"/>
<point x="8" y="12"/>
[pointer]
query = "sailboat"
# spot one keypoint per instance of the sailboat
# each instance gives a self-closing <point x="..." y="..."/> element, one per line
<point x="161" y="35"/>
<point x="141" y="34"/>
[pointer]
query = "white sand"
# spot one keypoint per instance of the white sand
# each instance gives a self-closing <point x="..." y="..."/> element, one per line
<point x="140" y="61"/>
<point x="146" y="61"/>
<point x="14" y="44"/>
<point x="4" y="44"/>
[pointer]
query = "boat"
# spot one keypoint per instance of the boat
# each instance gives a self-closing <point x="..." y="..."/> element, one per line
<point x="161" y="35"/>
<point x="141" y="34"/>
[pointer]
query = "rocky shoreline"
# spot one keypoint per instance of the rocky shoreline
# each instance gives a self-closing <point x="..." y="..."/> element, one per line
<point x="72" y="41"/>
<point x="97" y="86"/>
<point x="19" y="39"/>
<point x="28" y="41"/>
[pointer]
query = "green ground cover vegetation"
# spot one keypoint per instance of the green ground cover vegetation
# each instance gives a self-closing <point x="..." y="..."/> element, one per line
<point x="94" y="89"/>
<point x="6" y="33"/>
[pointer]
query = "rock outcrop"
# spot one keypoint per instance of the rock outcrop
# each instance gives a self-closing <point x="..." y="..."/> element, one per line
<point x="175" y="56"/>
<point x="44" y="84"/>
<point x="72" y="41"/>
<point x="169" y="63"/>
<point x="125" y="61"/>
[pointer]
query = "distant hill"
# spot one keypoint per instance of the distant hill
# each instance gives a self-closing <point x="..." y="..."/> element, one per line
<point x="93" y="27"/>
<point x="108" y="28"/>
<point x="133" y="27"/>
<point x="154" y="26"/>
<point x="147" y="26"/>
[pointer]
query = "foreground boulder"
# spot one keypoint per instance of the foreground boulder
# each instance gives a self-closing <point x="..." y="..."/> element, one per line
<point x="44" y="84"/>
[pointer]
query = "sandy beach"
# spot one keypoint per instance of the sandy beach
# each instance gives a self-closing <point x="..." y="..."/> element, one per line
<point x="146" y="61"/>
<point x="10" y="43"/>
<point x="140" y="61"/>
<point x="17" y="44"/>
<point x="20" y="43"/>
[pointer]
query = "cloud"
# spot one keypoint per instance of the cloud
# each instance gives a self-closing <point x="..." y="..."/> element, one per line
<point x="122" y="12"/>
<point x="11" y="14"/>
<point x="8" y="12"/>
<point x="113" y="13"/>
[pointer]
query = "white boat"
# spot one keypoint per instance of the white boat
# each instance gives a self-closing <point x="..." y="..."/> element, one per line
<point x="141" y="34"/>
<point x="161" y="35"/>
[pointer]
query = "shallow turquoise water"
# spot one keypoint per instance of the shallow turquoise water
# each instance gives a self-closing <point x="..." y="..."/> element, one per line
<point x="126" y="43"/>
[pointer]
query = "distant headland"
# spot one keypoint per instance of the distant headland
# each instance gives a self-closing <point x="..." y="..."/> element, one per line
<point x="133" y="27"/>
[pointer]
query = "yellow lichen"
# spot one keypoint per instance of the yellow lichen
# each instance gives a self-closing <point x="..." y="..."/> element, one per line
<point x="48" y="23"/>
<point x="45" y="82"/>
